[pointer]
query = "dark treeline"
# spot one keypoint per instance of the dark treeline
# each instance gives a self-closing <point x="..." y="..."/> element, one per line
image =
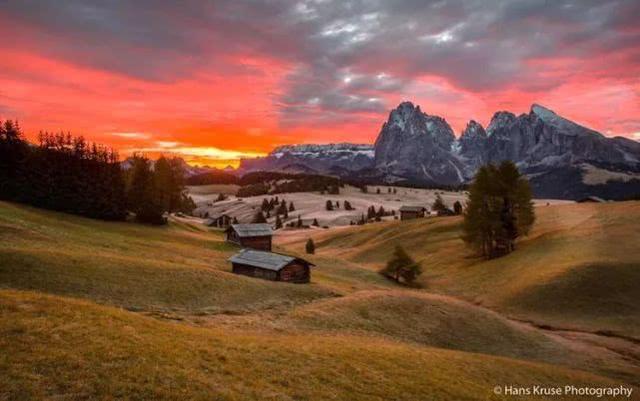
<point x="264" y="183"/>
<point x="68" y="174"/>
<point x="212" y="177"/>
<point x="61" y="173"/>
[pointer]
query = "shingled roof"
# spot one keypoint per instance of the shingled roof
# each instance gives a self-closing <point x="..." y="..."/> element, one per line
<point x="412" y="208"/>
<point x="251" y="230"/>
<point x="264" y="260"/>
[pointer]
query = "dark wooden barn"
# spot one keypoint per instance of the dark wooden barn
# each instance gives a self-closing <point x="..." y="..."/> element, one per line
<point x="271" y="266"/>
<point x="256" y="236"/>
<point x="220" y="221"/>
<point x="412" y="212"/>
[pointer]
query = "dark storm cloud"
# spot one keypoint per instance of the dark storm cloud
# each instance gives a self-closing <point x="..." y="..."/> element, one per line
<point x="345" y="55"/>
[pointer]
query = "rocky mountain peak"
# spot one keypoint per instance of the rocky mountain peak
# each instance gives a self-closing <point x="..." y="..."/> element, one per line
<point x="413" y="143"/>
<point x="473" y="130"/>
<point x="500" y="119"/>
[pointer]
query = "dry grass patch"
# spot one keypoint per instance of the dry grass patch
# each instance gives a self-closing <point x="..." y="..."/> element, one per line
<point x="58" y="348"/>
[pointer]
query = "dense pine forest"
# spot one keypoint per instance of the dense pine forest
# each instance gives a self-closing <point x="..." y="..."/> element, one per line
<point x="68" y="174"/>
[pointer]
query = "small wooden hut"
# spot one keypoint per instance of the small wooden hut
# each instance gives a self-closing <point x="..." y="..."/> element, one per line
<point x="220" y="221"/>
<point x="271" y="266"/>
<point x="412" y="212"/>
<point x="256" y="236"/>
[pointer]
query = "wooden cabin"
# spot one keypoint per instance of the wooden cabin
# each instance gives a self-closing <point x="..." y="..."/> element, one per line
<point x="256" y="236"/>
<point x="271" y="266"/>
<point x="412" y="212"/>
<point x="220" y="221"/>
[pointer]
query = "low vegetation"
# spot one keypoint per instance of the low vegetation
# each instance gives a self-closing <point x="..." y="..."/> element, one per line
<point x="401" y="267"/>
<point x="85" y="351"/>
<point x="120" y="310"/>
<point x="577" y="268"/>
<point x="179" y="268"/>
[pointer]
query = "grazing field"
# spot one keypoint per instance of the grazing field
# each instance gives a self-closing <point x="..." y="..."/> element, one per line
<point x="59" y="348"/>
<point x="100" y="310"/>
<point x="177" y="268"/>
<point x="578" y="269"/>
<point x="312" y="205"/>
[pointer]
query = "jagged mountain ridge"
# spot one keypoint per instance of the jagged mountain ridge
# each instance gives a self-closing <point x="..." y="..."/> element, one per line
<point x="324" y="159"/>
<point x="559" y="156"/>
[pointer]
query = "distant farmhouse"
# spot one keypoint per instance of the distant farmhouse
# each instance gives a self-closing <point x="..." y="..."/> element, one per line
<point x="412" y="212"/>
<point x="220" y="221"/>
<point x="271" y="266"/>
<point x="256" y="236"/>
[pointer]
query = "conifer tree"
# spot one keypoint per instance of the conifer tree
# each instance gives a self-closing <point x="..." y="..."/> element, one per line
<point x="329" y="205"/>
<point x="310" y="247"/>
<point x="142" y="194"/>
<point x="401" y="267"/>
<point x="438" y="205"/>
<point x="499" y="209"/>
<point x="259" y="218"/>
<point x="457" y="207"/>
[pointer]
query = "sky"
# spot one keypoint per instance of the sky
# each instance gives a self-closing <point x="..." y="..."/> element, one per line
<point x="216" y="81"/>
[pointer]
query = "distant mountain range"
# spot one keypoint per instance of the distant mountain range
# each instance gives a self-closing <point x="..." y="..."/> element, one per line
<point x="561" y="158"/>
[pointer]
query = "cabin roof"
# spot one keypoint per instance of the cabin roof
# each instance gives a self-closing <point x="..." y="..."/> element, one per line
<point x="406" y="208"/>
<point x="251" y="230"/>
<point x="592" y="199"/>
<point x="219" y="215"/>
<point x="264" y="260"/>
<point x="209" y="221"/>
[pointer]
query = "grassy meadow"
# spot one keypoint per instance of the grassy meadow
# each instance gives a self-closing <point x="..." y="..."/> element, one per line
<point x="578" y="269"/>
<point x="100" y="310"/>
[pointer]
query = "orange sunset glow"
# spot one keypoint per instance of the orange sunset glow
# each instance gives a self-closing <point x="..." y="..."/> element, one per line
<point x="217" y="82"/>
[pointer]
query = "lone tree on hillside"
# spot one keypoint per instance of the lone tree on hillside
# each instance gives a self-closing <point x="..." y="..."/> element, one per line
<point x="499" y="210"/>
<point x="278" y="222"/>
<point x="310" y="247"/>
<point x="329" y="205"/>
<point x="315" y="223"/>
<point x="259" y="218"/>
<point x="401" y="267"/>
<point x="457" y="207"/>
<point x="438" y="205"/>
<point x="347" y="205"/>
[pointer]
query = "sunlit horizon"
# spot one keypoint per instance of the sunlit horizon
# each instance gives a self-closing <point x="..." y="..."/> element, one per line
<point x="217" y="83"/>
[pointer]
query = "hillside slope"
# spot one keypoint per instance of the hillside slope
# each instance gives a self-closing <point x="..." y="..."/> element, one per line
<point x="578" y="269"/>
<point x="61" y="277"/>
<point x="177" y="268"/>
<point x="84" y="351"/>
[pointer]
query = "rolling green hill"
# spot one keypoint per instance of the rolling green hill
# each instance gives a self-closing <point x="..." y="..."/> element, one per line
<point x="178" y="268"/>
<point x="578" y="269"/>
<point x="59" y="348"/>
<point x="100" y="310"/>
